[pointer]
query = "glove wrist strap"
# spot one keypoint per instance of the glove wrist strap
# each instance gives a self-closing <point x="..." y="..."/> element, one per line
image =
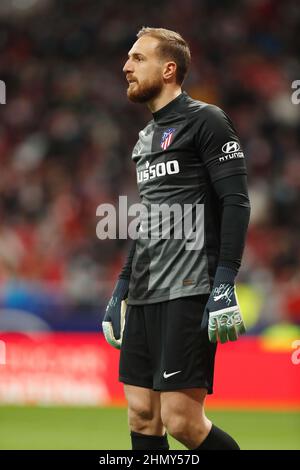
<point x="224" y="275"/>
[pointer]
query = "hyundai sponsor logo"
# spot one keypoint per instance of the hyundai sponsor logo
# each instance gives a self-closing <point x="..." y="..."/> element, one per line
<point x="231" y="151"/>
<point x="230" y="147"/>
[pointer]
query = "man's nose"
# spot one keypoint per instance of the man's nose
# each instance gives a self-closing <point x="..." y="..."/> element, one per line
<point x="127" y="67"/>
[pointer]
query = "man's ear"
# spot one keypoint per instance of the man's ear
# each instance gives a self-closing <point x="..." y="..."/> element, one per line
<point x="170" y="70"/>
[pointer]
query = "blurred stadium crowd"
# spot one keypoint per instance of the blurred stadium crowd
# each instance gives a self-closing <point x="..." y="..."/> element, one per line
<point x="67" y="131"/>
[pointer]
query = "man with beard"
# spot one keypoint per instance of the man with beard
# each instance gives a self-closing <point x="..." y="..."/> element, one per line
<point x="181" y="295"/>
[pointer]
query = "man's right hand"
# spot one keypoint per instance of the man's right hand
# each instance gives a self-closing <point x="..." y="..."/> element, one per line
<point x="114" y="319"/>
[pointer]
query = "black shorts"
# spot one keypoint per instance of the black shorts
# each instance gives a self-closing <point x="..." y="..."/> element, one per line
<point x="164" y="348"/>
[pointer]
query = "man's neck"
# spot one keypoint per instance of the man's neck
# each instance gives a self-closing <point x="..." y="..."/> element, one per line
<point x="163" y="99"/>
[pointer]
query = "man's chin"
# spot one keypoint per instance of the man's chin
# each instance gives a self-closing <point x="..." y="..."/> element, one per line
<point x="135" y="96"/>
<point x="141" y="93"/>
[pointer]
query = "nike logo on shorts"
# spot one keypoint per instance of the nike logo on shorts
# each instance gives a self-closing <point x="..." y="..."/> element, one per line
<point x="166" y="376"/>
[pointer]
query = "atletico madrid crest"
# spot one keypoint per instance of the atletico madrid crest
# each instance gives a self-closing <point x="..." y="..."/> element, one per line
<point x="166" y="138"/>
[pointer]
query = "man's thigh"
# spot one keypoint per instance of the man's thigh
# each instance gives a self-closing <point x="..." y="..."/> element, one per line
<point x="189" y="402"/>
<point x="142" y="398"/>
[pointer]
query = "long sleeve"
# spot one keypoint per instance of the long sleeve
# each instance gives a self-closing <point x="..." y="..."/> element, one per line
<point x="126" y="270"/>
<point x="233" y="195"/>
<point x="220" y="150"/>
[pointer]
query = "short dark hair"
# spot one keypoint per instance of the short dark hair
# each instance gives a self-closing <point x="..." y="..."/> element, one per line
<point x="171" y="46"/>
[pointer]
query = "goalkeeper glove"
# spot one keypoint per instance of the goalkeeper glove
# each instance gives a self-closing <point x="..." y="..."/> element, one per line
<point x="222" y="315"/>
<point x="114" y="319"/>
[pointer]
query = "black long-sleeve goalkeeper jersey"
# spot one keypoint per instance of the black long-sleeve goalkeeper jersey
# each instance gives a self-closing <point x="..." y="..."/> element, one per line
<point x="183" y="157"/>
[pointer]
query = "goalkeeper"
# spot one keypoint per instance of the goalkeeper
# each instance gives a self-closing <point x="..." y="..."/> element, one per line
<point x="180" y="296"/>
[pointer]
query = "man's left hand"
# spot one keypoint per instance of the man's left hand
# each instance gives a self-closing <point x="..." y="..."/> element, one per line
<point x="222" y="315"/>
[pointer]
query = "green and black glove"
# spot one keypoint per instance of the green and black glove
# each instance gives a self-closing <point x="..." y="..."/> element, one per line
<point x="222" y="316"/>
<point x="114" y="320"/>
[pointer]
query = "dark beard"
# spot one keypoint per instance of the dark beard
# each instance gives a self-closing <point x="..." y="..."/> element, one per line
<point x="145" y="92"/>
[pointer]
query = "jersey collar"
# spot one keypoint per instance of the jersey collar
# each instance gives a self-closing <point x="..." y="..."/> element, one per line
<point x="169" y="107"/>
